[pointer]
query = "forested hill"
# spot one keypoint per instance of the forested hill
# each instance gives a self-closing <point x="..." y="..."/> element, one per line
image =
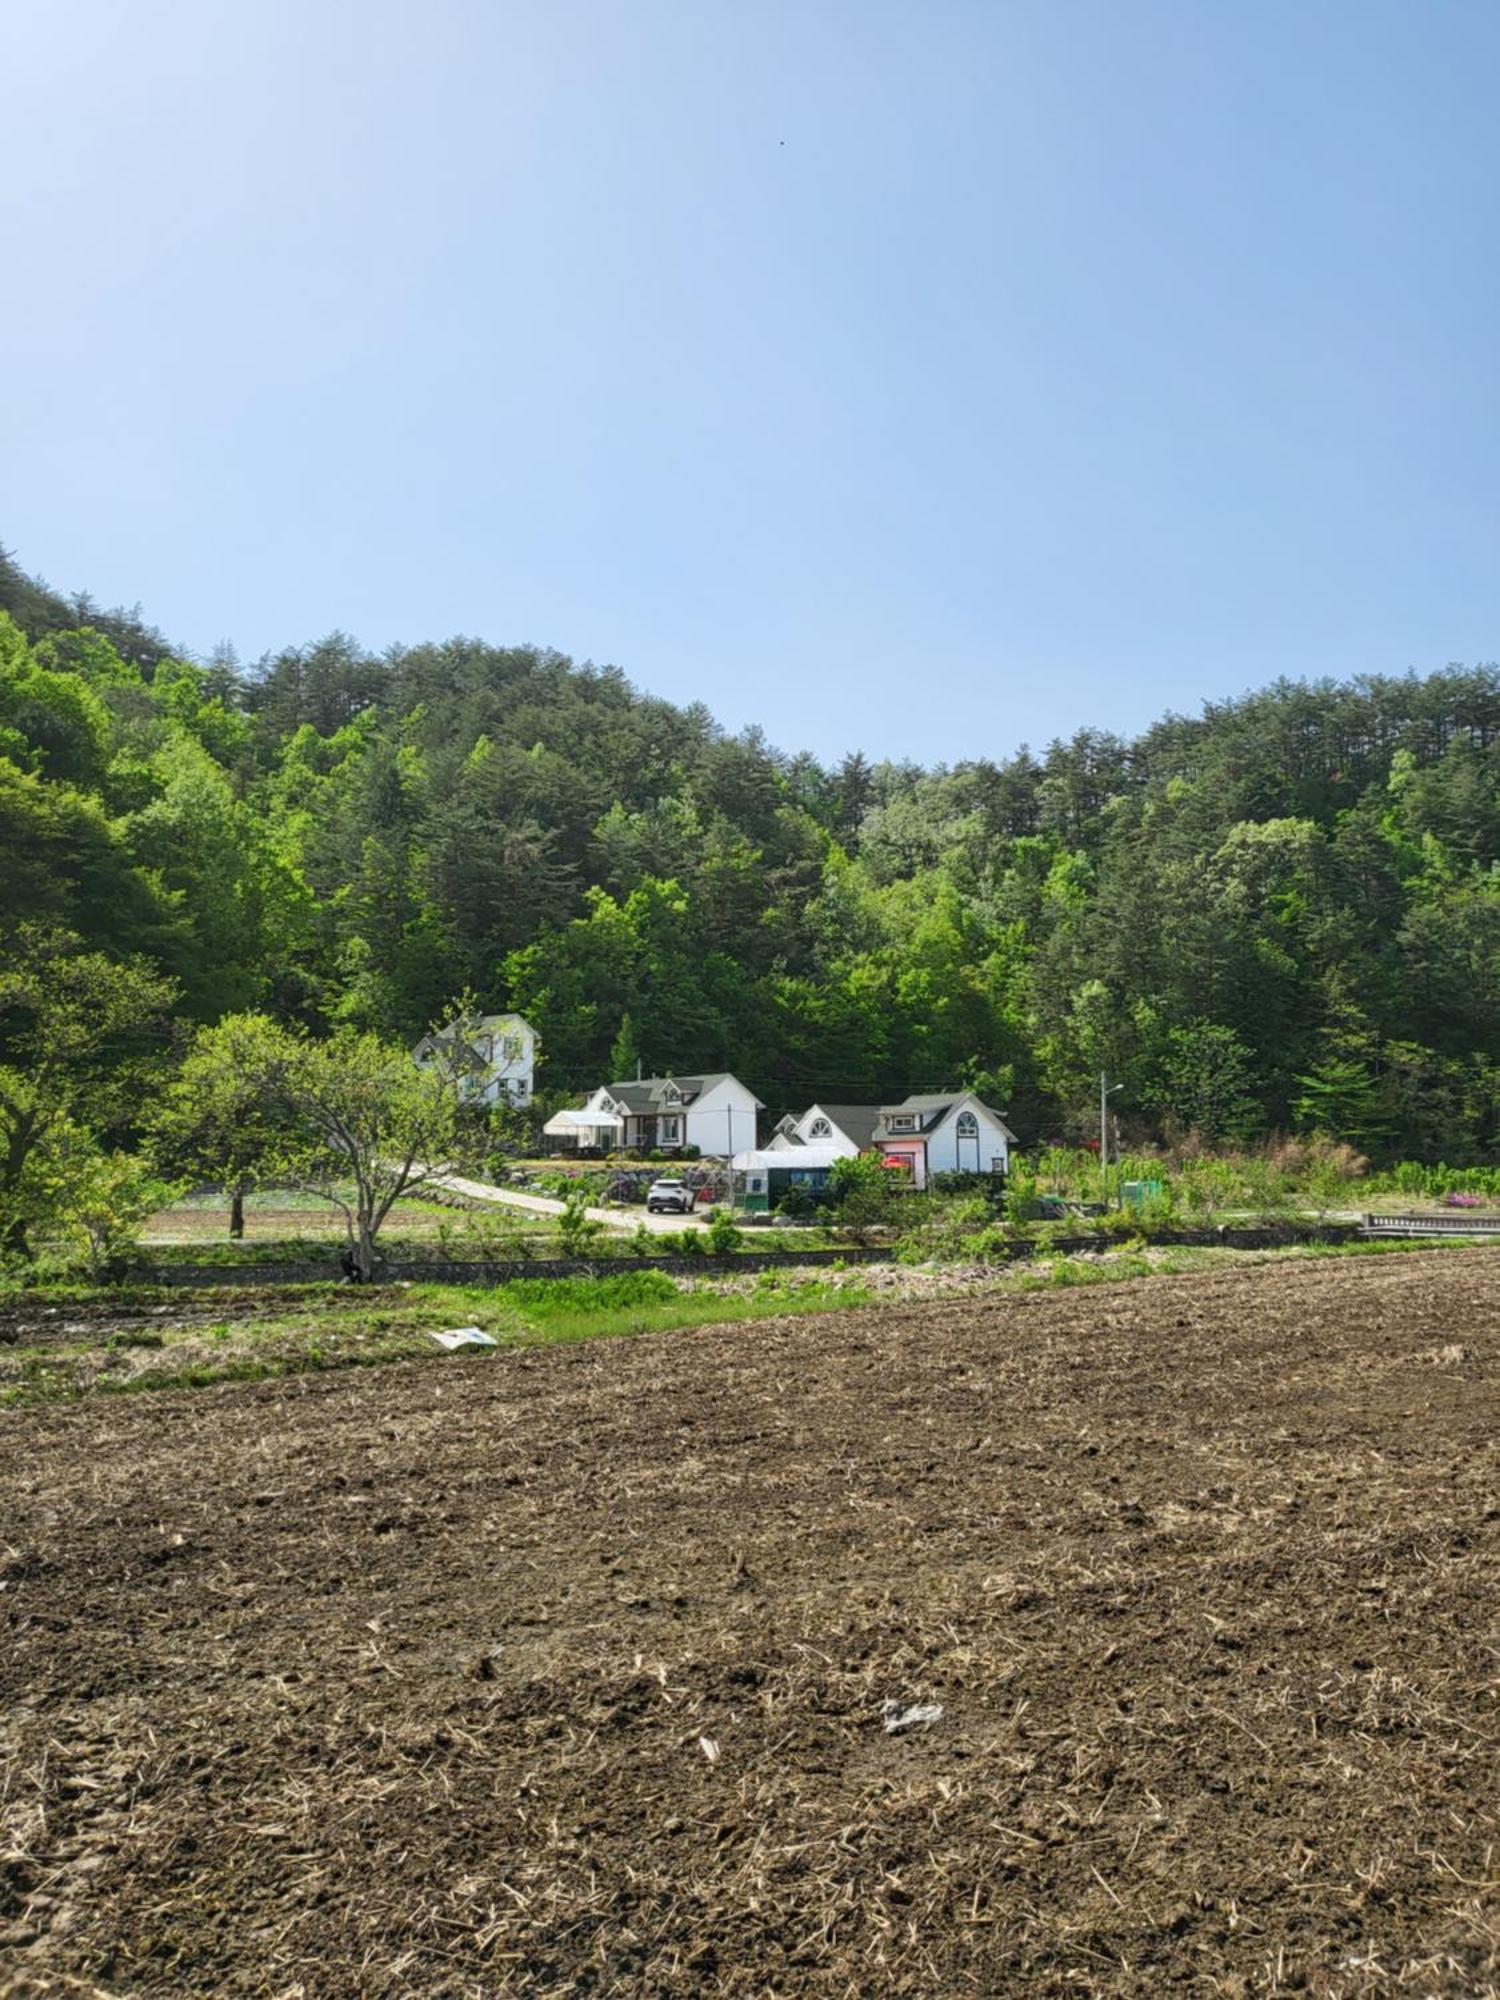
<point x="1282" y="912"/>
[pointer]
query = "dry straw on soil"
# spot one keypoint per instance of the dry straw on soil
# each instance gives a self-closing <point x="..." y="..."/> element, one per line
<point x="565" y="1672"/>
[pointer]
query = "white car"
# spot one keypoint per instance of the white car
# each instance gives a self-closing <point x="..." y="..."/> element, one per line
<point x="669" y="1197"/>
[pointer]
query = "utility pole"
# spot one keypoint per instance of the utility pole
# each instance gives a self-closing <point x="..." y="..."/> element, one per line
<point x="1106" y="1092"/>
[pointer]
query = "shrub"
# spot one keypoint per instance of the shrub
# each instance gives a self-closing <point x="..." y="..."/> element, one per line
<point x="723" y="1236"/>
<point x="862" y="1193"/>
<point x="942" y="1228"/>
<point x="1020" y="1195"/>
<point x="105" y="1197"/>
<point x="577" y="1230"/>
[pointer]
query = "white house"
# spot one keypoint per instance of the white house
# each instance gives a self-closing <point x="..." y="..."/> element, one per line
<point x="935" y="1133"/>
<point x="849" y="1129"/>
<point x="492" y="1055"/>
<point x="715" y="1113"/>
<point x="943" y="1133"/>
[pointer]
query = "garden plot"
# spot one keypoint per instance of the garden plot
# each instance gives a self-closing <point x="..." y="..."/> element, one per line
<point x="570" y="1669"/>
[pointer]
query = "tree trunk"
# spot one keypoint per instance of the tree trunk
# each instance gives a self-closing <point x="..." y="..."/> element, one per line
<point x="23" y="1137"/>
<point x="364" y="1251"/>
<point x="237" y="1210"/>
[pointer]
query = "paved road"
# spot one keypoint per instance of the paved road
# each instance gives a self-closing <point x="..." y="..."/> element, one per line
<point x="626" y="1219"/>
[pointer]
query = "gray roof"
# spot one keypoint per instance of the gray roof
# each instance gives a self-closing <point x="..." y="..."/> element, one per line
<point x="645" y="1097"/>
<point x="856" y="1121"/>
<point x="930" y="1108"/>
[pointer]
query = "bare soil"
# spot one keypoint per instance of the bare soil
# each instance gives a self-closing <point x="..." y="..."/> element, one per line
<point x="270" y="1221"/>
<point x="565" y="1672"/>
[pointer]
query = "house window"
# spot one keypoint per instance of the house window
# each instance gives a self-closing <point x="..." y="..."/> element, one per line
<point x="670" y="1133"/>
<point x="903" y="1124"/>
<point x="820" y="1129"/>
<point x="968" y="1125"/>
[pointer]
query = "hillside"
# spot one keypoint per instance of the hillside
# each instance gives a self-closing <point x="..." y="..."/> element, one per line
<point x="1282" y="912"/>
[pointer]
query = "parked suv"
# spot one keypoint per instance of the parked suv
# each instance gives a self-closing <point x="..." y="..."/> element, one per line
<point x="669" y="1197"/>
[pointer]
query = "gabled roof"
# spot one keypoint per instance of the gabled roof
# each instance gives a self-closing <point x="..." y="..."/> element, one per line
<point x="646" y="1096"/>
<point x="457" y="1040"/>
<point x="930" y="1109"/>
<point x="857" y="1122"/>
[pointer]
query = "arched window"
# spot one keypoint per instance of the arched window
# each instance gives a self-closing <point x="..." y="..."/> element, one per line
<point x="820" y="1129"/>
<point x="968" y="1125"/>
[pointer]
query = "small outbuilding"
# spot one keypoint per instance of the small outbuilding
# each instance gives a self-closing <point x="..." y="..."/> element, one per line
<point x="764" y="1177"/>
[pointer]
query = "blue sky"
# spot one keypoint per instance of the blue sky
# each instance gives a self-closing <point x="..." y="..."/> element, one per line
<point x="923" y="379"/>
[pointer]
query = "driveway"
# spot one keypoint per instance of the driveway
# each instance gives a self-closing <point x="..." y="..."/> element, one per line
<point x="625" y="1219"/>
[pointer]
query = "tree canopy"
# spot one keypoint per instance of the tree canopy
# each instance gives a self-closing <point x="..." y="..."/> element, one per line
<point x="1281" y="913"/>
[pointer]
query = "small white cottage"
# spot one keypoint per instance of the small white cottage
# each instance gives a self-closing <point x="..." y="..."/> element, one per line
<point x="849" y="1129"/>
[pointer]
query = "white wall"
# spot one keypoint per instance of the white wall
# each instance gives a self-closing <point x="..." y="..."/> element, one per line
<point x="841" y="1143"/>
<point x="947" y="1153"/>
<point x="709" y="1125"/>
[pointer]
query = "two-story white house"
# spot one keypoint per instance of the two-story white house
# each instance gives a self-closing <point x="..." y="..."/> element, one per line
<point x="925" y="1134"/>
<point x="715" y="1113"/>
<point x="492" y="1055"/>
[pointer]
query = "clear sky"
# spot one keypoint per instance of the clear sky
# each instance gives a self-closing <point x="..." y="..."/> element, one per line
<point x="920" y="378"/>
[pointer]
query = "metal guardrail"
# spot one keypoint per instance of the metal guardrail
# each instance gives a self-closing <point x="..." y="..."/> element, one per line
<point x="1471" y="1224"/>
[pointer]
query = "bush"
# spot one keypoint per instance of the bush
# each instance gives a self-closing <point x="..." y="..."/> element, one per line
<point x="990" y="1187"/>
<point x="1020" y="1195"/>
<point x="945" y="1229"/>
<point x="680" y="1243"/>
<point x="797" y="1205"/>
<point x="105" y="1197"/>
<point x="723" y="1236"/>
<point x="577" y="1230"/>
<point x="862" y="1193"/>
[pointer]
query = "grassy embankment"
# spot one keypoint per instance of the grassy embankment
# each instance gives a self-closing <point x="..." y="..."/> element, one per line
<point x="58" y="1345"/>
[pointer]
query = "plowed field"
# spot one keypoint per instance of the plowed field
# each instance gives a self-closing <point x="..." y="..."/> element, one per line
<point x="566" y="1671"/>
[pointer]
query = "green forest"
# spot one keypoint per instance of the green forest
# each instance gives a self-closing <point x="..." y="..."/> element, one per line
<point x="1282" y="914"/>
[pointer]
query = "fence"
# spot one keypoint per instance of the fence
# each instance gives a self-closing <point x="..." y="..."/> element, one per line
<point x="1430" y="1225"/>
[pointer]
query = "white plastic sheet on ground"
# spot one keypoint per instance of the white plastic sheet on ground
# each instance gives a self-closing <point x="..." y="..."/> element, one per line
<point x="918" y="1716"/>
<point x="464" y="1336"/>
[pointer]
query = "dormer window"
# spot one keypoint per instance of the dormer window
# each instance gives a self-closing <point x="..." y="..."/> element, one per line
<point x="820" y="1129"/>
<point x="905" y="1123"/>
<point x="671" y="1095"/>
